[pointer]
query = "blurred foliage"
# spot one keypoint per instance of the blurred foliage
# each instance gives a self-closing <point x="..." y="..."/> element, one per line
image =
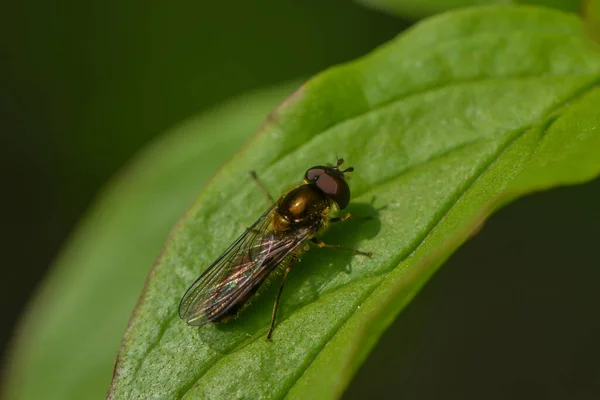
<point x="419" y="9"/>
<point x="69" y="339"/>
<point x="88" y="83"/>
<point x="109" y="75"/>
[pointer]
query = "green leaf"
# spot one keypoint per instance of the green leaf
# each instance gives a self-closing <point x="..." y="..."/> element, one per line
<point x="443" y="125"/>
<point x="67" y="343"/>
<point x="416" y="9"/>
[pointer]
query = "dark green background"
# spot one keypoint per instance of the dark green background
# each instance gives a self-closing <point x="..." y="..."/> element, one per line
<point x="84" y="85"/>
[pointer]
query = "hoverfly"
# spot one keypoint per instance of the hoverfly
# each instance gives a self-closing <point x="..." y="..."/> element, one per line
<point x="274" y="242"/>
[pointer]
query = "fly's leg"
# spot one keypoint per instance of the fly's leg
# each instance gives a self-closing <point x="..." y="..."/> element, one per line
<point x="262" y="187"/>
<point x="276" y="305"/>
<point x="349" y="216"/>
<point x="335" y="246"/>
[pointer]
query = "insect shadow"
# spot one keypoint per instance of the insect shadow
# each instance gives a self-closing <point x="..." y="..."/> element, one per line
<point x="307" y="281"/>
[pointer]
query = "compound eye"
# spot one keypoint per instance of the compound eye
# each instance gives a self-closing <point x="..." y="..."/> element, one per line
<point x="336" y="188"/>
<point x="314" y="173"/>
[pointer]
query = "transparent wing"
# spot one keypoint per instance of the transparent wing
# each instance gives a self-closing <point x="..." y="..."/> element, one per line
<point x="237" y="273"/>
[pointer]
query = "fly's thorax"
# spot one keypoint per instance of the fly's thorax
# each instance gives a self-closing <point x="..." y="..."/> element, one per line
<point x="305" y="206"/>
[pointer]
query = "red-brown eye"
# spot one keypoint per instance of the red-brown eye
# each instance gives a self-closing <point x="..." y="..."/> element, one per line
<point x="330" y="180"/>
<point x="313" y="174"/>
<point x="336" y="188"/>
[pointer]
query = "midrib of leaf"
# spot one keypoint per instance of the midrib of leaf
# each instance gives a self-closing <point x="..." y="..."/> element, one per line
<point x="380" y="276"/>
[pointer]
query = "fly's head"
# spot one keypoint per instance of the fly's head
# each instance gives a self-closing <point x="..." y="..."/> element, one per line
<point x="330" y="180"/>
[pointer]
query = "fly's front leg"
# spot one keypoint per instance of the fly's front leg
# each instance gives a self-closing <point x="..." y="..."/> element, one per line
<point x="335" y="246"/>
<point x="347" y="216"/>
<point x="262" y="187"/>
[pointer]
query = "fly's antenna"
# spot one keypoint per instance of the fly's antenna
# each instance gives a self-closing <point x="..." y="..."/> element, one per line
<point x="340" y="161"/>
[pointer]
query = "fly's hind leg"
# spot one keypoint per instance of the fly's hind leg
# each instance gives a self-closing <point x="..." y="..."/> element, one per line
<point x="335" y="246"/>
<point x="347" y="216"/>
<point x="276" y="305"/>
<point x="262" y="187"/>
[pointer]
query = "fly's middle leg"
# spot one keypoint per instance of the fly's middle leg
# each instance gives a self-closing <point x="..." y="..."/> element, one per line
<point x="276" y="305"/>
<point x="335" y="246"/>
<point x="262" y="187"/>
<point x="347" y="216"/>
